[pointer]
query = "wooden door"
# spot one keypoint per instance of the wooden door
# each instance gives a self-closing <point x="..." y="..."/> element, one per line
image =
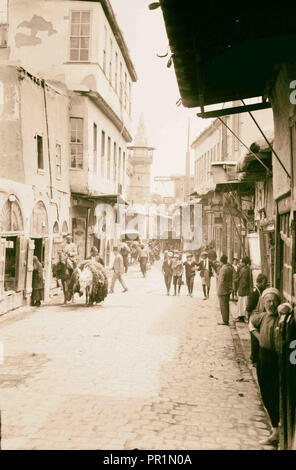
<point x="45" y="250"/>
<point x="21" y="256"/>
<point x="29" y="272"/>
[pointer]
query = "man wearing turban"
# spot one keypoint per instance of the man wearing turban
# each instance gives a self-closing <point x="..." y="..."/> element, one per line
<point x="266" y="328"/>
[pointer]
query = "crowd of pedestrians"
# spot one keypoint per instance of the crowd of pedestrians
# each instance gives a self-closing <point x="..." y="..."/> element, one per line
<point x="174" y="267"/>
<point x="130" y="253"/>
<point x="259" y="306"/>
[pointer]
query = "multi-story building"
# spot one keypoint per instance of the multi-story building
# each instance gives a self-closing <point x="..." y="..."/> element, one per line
<point x="34" y="180"/>
<point x="79" y="44"/>
<point x="226" y="216"/>
<point x="180" y="187"/>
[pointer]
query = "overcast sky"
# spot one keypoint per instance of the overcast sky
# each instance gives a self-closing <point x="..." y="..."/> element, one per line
<point x="156" y="91"/>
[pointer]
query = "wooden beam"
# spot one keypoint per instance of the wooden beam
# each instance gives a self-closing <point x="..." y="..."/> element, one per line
<point x="234" y="110"/>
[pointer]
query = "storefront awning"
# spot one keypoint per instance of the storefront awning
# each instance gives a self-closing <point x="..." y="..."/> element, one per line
<point x="223" y="51"/>
<point x="244" y="188"/>
<point x="106" y="198"/>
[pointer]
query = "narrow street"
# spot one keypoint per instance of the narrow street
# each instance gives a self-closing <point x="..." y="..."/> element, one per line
<point x="142" y="370"/>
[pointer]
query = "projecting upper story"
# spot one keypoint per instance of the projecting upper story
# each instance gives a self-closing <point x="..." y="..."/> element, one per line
<point x="78" y="43"/>
<point x="218" y="144"/>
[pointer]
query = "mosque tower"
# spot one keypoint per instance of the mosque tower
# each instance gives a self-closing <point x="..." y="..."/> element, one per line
<point x="140" y="160"/>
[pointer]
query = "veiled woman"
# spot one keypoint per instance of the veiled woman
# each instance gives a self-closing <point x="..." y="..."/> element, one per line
<point x="37" y="283"/>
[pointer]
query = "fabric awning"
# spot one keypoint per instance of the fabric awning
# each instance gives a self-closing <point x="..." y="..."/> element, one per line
<point x="107" y="198"/>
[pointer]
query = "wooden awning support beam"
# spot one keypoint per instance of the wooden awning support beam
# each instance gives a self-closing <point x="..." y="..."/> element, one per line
<point x="234" y="110"/>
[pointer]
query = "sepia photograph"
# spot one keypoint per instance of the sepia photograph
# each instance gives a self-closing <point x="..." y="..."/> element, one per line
<point x="147" y="228"/>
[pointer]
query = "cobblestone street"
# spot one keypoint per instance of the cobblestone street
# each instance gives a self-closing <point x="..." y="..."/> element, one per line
<point x="142" y="370"/>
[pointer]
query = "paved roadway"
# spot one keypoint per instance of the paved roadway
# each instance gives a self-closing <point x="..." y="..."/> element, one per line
<point x="142" y="370"/>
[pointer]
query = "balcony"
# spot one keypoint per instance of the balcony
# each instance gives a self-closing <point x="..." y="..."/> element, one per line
<point x="223" y="172"/>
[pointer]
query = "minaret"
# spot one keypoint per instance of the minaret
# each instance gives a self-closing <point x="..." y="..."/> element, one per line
<point x="141" y="136"/>
<point x="140" y="160"/>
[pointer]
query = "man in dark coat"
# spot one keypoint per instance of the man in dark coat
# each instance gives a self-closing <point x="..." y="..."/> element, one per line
<point x="167" y="269"/>
<point x="190" y="269"/>
<point x="125" y="251"/>
<point x="244" y="288"/>
<point x="224" y="288"/>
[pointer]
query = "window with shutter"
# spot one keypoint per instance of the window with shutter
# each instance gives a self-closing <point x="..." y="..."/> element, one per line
<point x="2" y="263"/>
<point x="80" y="36"/>
<point x="21" y="254"/>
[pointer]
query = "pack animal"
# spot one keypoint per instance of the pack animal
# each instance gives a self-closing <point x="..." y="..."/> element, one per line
<point x="86" y="284"/>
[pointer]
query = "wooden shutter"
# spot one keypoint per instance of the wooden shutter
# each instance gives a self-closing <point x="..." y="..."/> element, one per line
<point x="46" y="260"/>
<point x="2" y="263"/>
<point x="29" y="273"/>
<point x="21" y="253"/>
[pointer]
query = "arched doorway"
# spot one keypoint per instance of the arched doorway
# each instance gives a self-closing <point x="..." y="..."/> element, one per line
<point x="39" y="231"/>
<point x="65" y="229"/>
<point x="55" y="229"/>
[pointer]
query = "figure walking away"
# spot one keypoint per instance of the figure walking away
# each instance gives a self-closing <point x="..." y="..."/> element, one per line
<point x="125" y="251"/>
<point x="118" y="268"/>
<point x="37" y="283"/>
<point x="144" y="259"/>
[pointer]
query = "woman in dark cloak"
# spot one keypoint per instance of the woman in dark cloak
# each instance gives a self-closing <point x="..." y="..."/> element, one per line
<point x="37" y="283"/>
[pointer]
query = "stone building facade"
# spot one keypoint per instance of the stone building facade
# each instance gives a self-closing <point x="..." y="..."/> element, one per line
<point x="80" y="45"/>
<point x="34" y="180"/>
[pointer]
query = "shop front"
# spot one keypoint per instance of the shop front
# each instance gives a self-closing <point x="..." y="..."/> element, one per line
<point x="39" y="245"/>
<point x="13" y="251"/>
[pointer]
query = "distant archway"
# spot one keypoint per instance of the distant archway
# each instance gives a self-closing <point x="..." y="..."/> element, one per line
<point x="11" y="219"/>
<point x="55" y="228"/>
<point x="65" y="228"/>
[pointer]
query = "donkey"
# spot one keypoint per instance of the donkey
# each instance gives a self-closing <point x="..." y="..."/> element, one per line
<point x="86" y="284"/>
